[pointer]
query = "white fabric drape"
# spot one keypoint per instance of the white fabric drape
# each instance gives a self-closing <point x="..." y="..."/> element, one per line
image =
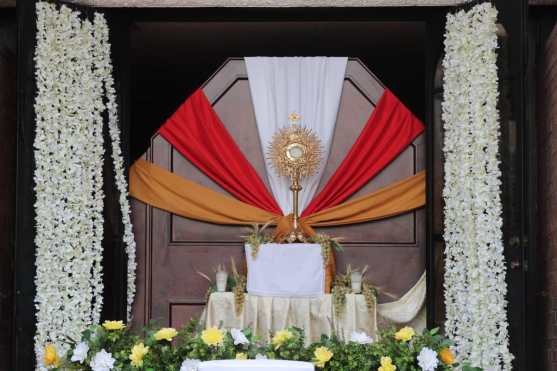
<point x="266" y="314"/>
<point x="308" y="86"/>
<point x="408" y="307"/>
<point x="287" y="270"/>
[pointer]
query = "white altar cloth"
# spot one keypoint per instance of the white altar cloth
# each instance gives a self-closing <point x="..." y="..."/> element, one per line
<point x="271" y="314"/>
<point x="315" y="315"/>
<point x="286" y="270"/>
<point x="255" y="365"/>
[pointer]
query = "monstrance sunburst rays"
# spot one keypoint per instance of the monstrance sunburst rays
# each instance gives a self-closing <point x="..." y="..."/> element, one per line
<point x="295" y="149"/>
<point x="295" y="152"/>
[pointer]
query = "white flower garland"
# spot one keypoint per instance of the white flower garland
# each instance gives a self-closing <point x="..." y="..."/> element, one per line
<point x="117" y="159"/>
<point x="73" y="73"/>
<point x="475" y="287"/>
<point x="68" y="150"/>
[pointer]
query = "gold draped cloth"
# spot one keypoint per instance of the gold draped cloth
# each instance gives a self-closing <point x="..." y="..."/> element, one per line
<point x="160" y="188"/>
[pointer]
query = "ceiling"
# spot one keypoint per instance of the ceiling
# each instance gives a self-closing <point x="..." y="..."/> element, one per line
<point x="266" y="3"/>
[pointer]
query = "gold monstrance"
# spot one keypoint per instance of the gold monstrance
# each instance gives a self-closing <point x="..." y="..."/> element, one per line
<point x="295" y="152"/>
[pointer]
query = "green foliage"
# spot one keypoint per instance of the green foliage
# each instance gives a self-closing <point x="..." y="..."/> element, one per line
<point x="292" y="349"/>
<point x="164" y="355"/>
<point x="258" y="237"/>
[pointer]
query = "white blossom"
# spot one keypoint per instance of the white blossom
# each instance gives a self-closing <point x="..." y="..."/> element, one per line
<point x="101" y="33"/>
<point x="427" y="359"/>
<point x="361" y="338"/>
<point x="474" y="283"/>
<point x="190" y="364"/>
<point x="80" y="352"/>
<point x="102" y="361"/>
<point x="239" y="337"/>
<point x="74" y="76"/>
<point x="68" y="177"/>
<point x="261" y="356"/>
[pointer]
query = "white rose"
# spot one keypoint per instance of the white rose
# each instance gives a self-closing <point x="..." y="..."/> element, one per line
<point x="80" y="352"/>
<point x="360" y="338"/>
<point x="190" y="365"/>
<point x="427" y="359"/>
<point x="102" y="361"/>
<point x="238" y="336"/>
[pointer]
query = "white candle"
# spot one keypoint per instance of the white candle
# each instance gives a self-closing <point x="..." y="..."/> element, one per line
<point x="222" y="278"/>
<point x="356" y="280"/>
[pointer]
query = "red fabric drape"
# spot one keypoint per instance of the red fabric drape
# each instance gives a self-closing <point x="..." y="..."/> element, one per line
<point x="389" y="130"/>
<point x="198" y="134"/>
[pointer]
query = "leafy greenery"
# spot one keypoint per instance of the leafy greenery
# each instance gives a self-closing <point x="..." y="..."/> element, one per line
<point x="193" y="342"/>
<point x="258" y="237"/>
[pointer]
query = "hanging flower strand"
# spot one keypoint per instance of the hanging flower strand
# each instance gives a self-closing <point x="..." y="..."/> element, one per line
<point x="69" y="154"/>
<point x="74" y="79"/>
<point x="101" y="29"/>
<point x="475" y="287"/>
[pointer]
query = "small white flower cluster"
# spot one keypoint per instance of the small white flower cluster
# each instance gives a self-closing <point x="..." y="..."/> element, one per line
<point x="102" y="361"/>
<point x="427" y="359"/>
<point x="74" y="74"/>
<point x="239" y="337"/>
<point x="475" y="271"/>
<point x="360" y="338"/>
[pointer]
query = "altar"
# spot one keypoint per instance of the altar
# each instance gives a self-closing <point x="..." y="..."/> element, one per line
<point x="265" y="314"/>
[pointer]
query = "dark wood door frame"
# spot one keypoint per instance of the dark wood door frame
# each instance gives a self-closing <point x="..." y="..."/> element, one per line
<point x="513" y="15"/>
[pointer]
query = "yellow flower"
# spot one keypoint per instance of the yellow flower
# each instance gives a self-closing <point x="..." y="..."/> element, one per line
<point x="212" y="336"/>
<point x="405" y="334"/>
<point x="138" y="352"/>
<point x="281" y="337"/>
<point x="165" y="333"/>
<point x="114" y="325"/>
<point x="50" y="356"/>
<point x="322" y="356"/>
<point x="386" y="364"/>
<point x="447" y="356"/>
<point x="241" y="356"/>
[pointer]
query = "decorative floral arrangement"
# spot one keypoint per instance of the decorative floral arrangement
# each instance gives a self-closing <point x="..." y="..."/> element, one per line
<point x="74" y="90"/>
<point x="342" y="286"/>
<point x="101" y="34"/>
<point x="475" y="287"/>
<point x="113" y="347"/>
<point x="239" y="289"/>
<point x="327" y="243"/>
<point x="258" y="237"/>
<point x="68" y="175"/>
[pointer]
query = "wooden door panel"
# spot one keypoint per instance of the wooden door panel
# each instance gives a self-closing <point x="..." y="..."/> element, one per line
<point x="182" y="312"/>
<point x="171" y="248"/>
